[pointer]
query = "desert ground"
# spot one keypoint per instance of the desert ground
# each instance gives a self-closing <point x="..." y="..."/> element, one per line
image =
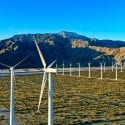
<point x="77" y="100"/>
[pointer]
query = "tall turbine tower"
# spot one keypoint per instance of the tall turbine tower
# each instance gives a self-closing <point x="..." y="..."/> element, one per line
<point x="121" y="67"/>
<point x="104" y="66"/>
<point x="12" y="112"/>
<point x="70" y="69"/>
<point x="112" y="66"/>
<point x="57" y="69"/>
<point x="89" y="64"/>
<point x="116" y="72"/>
<point x="63" y="67"/>
<point x="47" y="70"/>
<point x="101" y="70"/>
<point x="79" y="69"/>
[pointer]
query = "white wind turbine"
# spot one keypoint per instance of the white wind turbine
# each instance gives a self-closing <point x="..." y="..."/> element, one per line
<point x="89" y="64"/>
<point x="121" y="67"/>
<point x="116" y="72"/>
<point x="101" y="70"/>
<point x="104" y="66"/>
<point x="79" y="69"/>
<point x="63" y="67"/>
<point x="12" y="112"/>
<point x="57" y="69"/>
<point x="47" y="70"/>
<point x="70" y="69"/>
<point x="112" y="66"/>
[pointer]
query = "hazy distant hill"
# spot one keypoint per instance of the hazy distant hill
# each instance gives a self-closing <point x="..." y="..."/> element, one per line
<point x="67" y="46"/>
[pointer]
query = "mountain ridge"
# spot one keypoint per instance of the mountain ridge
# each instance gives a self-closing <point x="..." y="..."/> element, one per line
<point x="63" y="46"/>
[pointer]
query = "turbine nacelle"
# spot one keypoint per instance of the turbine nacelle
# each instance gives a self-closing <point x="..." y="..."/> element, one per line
<point x="11" y="68"/>
<point x="50" y="70"/>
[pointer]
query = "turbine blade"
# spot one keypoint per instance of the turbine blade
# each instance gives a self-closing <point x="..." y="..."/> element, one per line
<point x="40" y="54"/>
<point x="22" y="60"/>
<point x="42" y="88"/>
<point x="4" y="65"/>
<point x="52" y="64"/>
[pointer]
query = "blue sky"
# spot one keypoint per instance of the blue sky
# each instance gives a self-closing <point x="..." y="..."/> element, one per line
<point x="103" y="19"/>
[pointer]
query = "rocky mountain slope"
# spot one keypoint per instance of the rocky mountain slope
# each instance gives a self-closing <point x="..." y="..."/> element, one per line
<point x="63" y="46"/>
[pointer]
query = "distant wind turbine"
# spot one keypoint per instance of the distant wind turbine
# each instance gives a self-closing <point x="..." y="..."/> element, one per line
<point x="57" y="69"/>
<point x="70" y="69"/>
<point x="47" y="70"/>
<point x="101" y="70"/>
<point x="12" y="112"/>
<point x="63" y="67"/>
<point x="79" y="69"/>
<point x="121" y="67"/>
<point x="112" y="66"/>
<point x="104" y="66"/>
<point x="116" y="73"/>
<point x="89" y="64"/>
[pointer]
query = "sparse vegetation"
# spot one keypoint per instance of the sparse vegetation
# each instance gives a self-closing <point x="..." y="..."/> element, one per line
<point x="77" y="100"/>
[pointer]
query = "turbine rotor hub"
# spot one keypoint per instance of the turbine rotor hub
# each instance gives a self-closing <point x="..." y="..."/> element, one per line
<point x="50" y="70"/>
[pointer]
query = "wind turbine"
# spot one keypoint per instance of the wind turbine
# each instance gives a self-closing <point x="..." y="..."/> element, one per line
<point x="70" y="69"/>
<point x="63" y="67"/>
<point x="12" y="112"/>
<point x="79" y="69"/>
<point x="112" y="66"/>
<point x="121" y="67"/>
<point x="116" y="73"/>
<point x="101" y="70"/>
<point x="104" y="66"/>
<point x="57" y="69"/>
<point x="89" y="64"/>
<point x="47" y="70"/>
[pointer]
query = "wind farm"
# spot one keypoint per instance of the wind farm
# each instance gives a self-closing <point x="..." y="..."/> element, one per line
<point x="76" y="100"/>
<point x="62" y="62"/>
<point x="75" y="95"/>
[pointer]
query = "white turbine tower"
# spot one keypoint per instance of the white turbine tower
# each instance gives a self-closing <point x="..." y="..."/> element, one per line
<point x="101" y="70"/>
<point x="89" y="64"/>
<point x="116" y="73"/>
<point x="79" y="69"/>
<point x="104" y="66"/>
<point x="57" y="69"/>
<point x="63" y="67"/>
<point x="70" y="69"/>
<point x="112" y="66"/>
<point x="12" y="112"/>
<point x="121" y="67"/>
<point x="47" y="70"/>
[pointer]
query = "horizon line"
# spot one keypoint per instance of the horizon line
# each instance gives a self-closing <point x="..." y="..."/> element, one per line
<point x="52" y="32"/>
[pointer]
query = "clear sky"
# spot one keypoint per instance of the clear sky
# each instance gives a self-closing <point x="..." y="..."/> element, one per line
<point x="103" y="19"/>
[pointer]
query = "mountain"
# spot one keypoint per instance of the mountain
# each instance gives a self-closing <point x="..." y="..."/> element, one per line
<point x="63" y="46"/>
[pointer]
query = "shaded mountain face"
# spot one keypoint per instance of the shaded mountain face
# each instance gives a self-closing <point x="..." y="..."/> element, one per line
<point x="63" y="46"/>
